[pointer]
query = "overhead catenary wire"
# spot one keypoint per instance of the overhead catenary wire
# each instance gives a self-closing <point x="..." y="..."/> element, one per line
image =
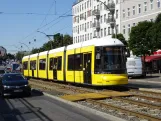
<point x="49" y="12"/>
<point x="44" y="26"/>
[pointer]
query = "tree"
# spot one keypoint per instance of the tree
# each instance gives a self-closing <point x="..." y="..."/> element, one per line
<point x="67" y="40"/>
<point x="138" y="42"/>
<point x="121" y="38"/>
<point x="158" y="18"/>
<point x="154" y="37"/>
<point x="20" y="55"/>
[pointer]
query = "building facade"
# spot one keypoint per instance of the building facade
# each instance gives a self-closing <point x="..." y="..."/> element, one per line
<point x="134" y="11"/>
<point x="90" y="17"/>
<point x="3" y="51"/>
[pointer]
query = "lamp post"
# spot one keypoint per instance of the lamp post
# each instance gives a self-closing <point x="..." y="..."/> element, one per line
<point x="48" y="36"/>
<point x="112" y="21"/>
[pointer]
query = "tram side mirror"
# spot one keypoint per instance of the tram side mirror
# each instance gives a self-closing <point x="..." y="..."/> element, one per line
<point x="127" y="52"/>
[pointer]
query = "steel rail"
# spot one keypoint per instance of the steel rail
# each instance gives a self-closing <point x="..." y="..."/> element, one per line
<point x="130" y="112"/>
<point x="139" y="103"/>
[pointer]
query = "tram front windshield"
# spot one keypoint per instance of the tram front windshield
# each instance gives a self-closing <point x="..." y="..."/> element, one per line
<point x="110" y="60"/>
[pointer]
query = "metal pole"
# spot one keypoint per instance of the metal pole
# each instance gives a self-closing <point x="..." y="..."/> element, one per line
<point x="48" y="37"/>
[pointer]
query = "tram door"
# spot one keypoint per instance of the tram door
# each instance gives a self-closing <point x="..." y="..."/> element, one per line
<point x="55" y="68"/>
<point x="32" y="72"/>
<point x="87" y="68"/>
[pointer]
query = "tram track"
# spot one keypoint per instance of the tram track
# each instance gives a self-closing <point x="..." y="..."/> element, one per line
<point x="141" y="105"/>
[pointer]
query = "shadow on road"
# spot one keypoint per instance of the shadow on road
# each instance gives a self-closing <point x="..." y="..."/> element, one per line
<point x="20" y="108"/>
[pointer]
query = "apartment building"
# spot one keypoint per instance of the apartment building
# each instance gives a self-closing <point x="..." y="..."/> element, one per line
<point x="134" y="11"/>
<point x="90" y="19"/>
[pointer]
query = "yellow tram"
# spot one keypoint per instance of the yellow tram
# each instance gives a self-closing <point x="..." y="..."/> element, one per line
<point x="97" y="62"/>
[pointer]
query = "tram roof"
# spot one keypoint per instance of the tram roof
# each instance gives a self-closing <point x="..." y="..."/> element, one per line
<point x="104" y="41"/>
<point x="25" y="57"/>
<point x="34" y="55"/>
<point x="61" y="49"/>
<point x="43" y="53"/>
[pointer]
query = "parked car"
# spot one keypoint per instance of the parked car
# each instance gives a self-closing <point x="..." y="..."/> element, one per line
<point x="2" y="71"/>
<point x="13" y="83"/>
<point x="135" y="67"/>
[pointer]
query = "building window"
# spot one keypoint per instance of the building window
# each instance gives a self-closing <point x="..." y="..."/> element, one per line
<point x="104" y="5"/>
<point x="101" y="6"/>
<point x="104" y="31"/>
<point x="91" y="36"/>
<point x="128" y="11"/>
<point x="123" y="29"/>
<point x="116" y="1"/>
<point x="80" y="7"/>
<point x="42" y="63"/>
<point x="123" y="13"/>
<point x="90" y="3"/>
<point x="116" y="14"/>
<point x="151" y="4"/>
<point x="87" y="4"/>
<point x="101" y="32"/>
<point x="98" y="7"/>
<point x="88" y="36"/>
<point x="158" y="3"/>
<point x="145" y="6"/>
<point x="101" y="19"/>
<point x="139" y="8"/>
<point x="117" y="28"/>
<point x="105" y="18"/>
<point x="108" y="30"/>
<point x="95" y="33"/>
<point x="128" y="28"/>
<point x="90" y="24"/>
<point x="133" y="24"/>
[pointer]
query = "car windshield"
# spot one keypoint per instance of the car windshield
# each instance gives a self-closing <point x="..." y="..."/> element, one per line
<point x="17" y="77"/>
<point x="2" y="71"/>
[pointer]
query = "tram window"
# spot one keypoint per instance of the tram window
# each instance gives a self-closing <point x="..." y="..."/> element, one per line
<point x="59" y="63"/>
<point x="70" y="62"/>
<point x="33" y="65"/>
<point x="42" y="63"/>
<point x="51" y="64"/>
<point x="78" y="62"/>
<point x="25" y="65"/>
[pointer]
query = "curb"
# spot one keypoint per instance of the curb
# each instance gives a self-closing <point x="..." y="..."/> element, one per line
<point x="145" y="81"/>
<point x="93" y="111"/>
<point x="150" y="90"/>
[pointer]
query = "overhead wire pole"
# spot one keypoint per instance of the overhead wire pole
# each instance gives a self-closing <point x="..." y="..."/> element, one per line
<point x="48" y="38"/>
<point x="112" y="21"/>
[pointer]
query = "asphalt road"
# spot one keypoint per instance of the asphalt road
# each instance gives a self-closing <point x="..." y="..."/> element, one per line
<point x="151" y="81"/>
<point x="41" y="108"/>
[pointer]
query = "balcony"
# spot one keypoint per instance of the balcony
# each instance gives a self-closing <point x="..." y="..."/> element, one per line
<point x="96" y="25"/>
<point x="96" y="12"/>
<point x="111" y="7"/>
<point x="111" y="21"/>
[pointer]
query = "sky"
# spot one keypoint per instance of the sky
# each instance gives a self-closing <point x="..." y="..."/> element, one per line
<point x="20" y="20"/>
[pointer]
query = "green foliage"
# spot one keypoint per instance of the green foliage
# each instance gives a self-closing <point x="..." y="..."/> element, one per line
<point x="121" y="38"/>
<point x="59" y="41"/>
<point x="158" y="18"/>
<point x="138" y="42"/>
<point x="20" y="55"/>
<point x="154" y="37"/>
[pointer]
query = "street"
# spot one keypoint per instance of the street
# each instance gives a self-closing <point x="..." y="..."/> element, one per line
<point x="41" y="108"/>
<point x="151" y="81"/>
